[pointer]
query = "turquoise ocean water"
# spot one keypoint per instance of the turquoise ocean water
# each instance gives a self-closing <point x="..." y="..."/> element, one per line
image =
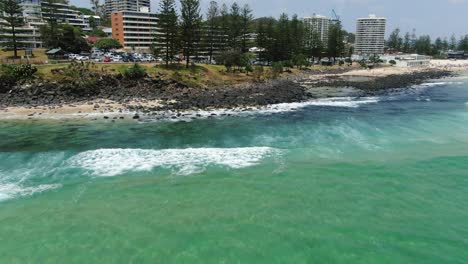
<point x="342" y="180"/>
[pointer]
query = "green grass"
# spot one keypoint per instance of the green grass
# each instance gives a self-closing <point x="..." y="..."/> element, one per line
<point x="200" y="75"/>
<point x="39" y="56"/>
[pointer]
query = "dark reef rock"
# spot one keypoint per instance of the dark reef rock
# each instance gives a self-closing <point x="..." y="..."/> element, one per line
<point x="177" y="96"/>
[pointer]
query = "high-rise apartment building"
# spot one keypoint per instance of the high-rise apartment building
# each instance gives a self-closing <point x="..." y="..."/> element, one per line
<point x="127" y="5"/>
<point x="36" y="13"/>
<point x="370" y="36"/>
<point x="134" y="30"/>
<point x="318" y="24"/>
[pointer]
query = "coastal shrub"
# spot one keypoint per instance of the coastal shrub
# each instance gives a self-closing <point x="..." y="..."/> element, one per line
<point x="15" y="74"/>
<point x="134" y="72"/>
<point x="349" y="61"/>
<point x="79" y="70"/>
<point x="258" y="73"/>
<point x="392" y="62"/>
<point x="277" y="68"/>
<point x="11" y="75"/>
<point x="248" y="69"/>
<point x="19" y="72"/>
<point x="234" y="60"/>
<point x="107" y="44"/>
<point x="177" y="76"/>
<point x="300" y="60"/>
<point x="363" y="64"/>
<point x="288" y="64"/>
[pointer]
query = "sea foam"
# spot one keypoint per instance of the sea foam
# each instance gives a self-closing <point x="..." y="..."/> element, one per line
<point x="112" y="162"/>
<point x="13" y="190"/>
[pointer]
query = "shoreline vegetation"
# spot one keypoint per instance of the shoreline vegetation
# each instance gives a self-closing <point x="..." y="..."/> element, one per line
<point x="81" y="90"/>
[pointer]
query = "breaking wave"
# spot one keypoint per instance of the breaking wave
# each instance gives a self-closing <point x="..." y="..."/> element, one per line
<point x="12" y="190"/>
<point x="112" y="162"/>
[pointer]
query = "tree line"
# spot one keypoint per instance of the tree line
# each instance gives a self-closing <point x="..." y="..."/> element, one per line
<point x="227" y="33"/>
<point x="410" y="43"/>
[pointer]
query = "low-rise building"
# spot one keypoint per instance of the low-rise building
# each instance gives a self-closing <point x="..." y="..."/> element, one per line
<point x="457" y="55"/>
<point x="407" y="60"/>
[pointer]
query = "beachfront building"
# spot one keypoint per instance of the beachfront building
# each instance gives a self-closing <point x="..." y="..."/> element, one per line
<point x="457" y="55"/>
<point x="134" y="30"/>
<point x="35" y="13"/>
<point x="407" y="60"/>
<point x="318" y="24"/>
<point x="112" y="6"/>
<point x="370" y="36"/>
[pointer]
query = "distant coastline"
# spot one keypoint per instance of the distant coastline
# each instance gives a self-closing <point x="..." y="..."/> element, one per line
<point x="118" y="99"/>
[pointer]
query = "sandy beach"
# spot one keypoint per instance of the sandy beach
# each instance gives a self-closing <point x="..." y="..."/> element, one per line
<point x="93" y="109"/>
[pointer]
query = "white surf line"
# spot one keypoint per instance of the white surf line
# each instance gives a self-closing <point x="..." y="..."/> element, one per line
<point x="112" y="162"/>
<point x="13" y="190"/>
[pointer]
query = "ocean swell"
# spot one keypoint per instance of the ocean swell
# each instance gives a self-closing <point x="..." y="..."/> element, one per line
<point x="112" y="162"/>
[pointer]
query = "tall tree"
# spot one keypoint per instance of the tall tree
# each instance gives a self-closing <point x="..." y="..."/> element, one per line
<point x="166" y="38"/>
<point x="224" y="20"/>
<point x="438" y="46"/>
<point x="297" y="32"/>
<point x="213" y="30"/>
<point x="282" y="39"/>
<point x="395" y="42"/>
<point x="235" y="27"/>
<point x="335" y="41"/>
<point x="407" y="43"/>
<point x="262" y="39"/>
<point x="445" y="44"/>
<point x="246" y="19"/>
<point x="315" y="45"/>
<point x="191" y="22"/>
<point x="50" y="32"/>
<point x="95" y="6"/>
<point x="92" y="23"/>
<point x="423" y="45"/>
<point x="453" y="42"/>
<point x="12" y="14"/>
<point x="463" y="44"/>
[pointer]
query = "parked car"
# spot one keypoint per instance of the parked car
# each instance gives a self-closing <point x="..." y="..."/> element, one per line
<point x="82" y="58"/>
<point x="125" y="58"/>
<point x="106" y="59"/>
<point x="117" y="58"/>
<point x="134" y="59"/>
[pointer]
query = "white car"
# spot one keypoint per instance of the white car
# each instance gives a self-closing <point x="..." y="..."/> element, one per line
<point x="82" y="58"/>
<point x="117" y="58"/>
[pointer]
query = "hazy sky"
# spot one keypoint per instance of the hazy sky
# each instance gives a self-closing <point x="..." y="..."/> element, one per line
<point x="433" y="17"/>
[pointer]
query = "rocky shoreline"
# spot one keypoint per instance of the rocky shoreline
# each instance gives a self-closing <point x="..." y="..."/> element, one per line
<point x="155" y="95"/>
<point x="377" y="84"/>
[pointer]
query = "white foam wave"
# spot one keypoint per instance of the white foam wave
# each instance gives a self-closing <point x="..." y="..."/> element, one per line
<point x="335" y="102"/>
<point x="12" y="190"/>
<point x="349" y="102"/>
<point x="433" y="84"/>
<point x="112" y="162"/>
